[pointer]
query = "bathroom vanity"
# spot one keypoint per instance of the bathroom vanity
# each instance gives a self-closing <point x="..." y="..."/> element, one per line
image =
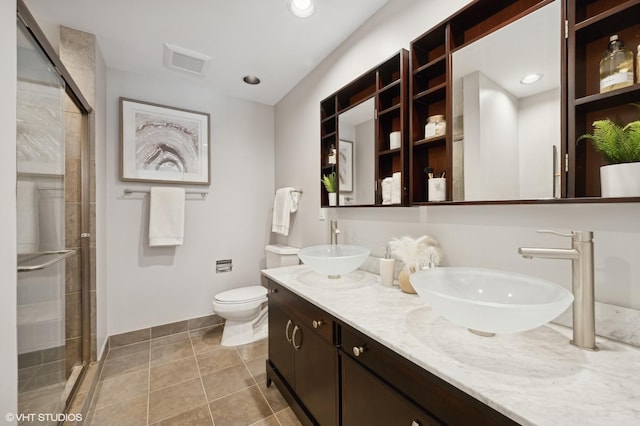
<point x="353" y="352"/>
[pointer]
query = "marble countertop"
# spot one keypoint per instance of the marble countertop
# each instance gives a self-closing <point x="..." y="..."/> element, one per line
<point x="535" y="377"/>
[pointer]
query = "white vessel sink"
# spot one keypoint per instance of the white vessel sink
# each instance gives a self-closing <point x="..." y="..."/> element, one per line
<point x="333" y="260"/>
<point x="491" y="301"/>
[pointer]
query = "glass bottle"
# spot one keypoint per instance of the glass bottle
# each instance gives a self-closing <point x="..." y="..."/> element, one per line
<point x="616" y="68"/>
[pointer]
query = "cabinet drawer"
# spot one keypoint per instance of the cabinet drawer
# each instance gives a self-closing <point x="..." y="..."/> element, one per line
<point x="444" y="401"/>
<point x="366" y="400"/>
<point x="305" y="312"/>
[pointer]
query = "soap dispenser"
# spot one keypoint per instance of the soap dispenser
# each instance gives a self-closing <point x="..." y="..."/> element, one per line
<point x="387" y="265"/>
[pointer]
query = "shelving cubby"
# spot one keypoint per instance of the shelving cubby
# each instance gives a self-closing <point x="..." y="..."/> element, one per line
<point x="590" y="24"/>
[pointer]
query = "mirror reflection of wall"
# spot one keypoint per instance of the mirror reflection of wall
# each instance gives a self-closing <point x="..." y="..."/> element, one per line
<point x="505" y="131"/>
<point x="356" y="128"/>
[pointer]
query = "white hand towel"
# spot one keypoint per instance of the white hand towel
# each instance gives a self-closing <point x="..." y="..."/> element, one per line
<point x="282" y="207"/>
<point x="386" y="190"/>
<point x="396" y="188"/>
<point x="166" y="217"/>
<point x="28" y="228"/>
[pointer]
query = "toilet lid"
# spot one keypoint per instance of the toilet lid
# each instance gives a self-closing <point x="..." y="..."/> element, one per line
<point x="242" y="294"/>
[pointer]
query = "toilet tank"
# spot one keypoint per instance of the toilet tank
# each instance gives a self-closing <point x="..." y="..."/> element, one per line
<point x="280" y="255"/>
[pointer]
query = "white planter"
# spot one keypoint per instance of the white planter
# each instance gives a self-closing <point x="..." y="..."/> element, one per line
<point x="332" y="198"/>
<point x="620" y="180"/>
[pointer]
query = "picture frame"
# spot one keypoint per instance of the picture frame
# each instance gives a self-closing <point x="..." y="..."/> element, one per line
<point x="345" y="166"/>
<point x="160" y="143"/>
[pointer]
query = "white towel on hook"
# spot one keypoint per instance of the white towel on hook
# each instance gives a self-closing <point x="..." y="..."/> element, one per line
<point x="282" y="207"/>
<point x="166" y="217"/>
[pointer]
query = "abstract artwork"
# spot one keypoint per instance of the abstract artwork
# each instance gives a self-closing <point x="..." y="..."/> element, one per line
<point x="163" y="144"/>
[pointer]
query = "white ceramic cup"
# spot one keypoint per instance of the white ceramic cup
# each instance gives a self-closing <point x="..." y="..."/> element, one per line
<point x="437" y="189"/>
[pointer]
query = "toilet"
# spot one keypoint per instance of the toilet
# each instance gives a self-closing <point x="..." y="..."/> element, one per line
<point x="245" y="309"/>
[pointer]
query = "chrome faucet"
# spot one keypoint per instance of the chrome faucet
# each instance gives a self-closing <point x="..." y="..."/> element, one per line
<point x="581" y="255"/>
<point x="334" y="232"/>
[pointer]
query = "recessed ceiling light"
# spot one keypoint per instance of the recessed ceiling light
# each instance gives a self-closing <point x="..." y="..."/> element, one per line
<point x="251" y="79"/>
<point x="302" y="8"/>
<point x="531" y="78"/>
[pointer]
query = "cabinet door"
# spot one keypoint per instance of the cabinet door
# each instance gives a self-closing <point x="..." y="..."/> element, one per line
<point x="366" y="400"/>
<point x="281" y="353"/>
<point x="317" y="375"/>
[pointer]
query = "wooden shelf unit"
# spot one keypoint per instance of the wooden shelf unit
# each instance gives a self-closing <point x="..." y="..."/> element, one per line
<point x="431" y="82"/>
<point x="590" y="24"/>
<point x="388" y="84"/>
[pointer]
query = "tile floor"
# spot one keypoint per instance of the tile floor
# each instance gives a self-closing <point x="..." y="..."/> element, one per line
<point x="188" y="379"/>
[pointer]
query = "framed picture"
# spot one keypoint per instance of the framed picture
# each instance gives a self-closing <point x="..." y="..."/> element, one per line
<point x="345" y="169"/>
<point x="159" y="143"/>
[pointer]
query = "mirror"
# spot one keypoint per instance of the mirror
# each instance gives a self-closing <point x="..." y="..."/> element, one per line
<point x="507" y="134"/>
<point x="356" y="155"/>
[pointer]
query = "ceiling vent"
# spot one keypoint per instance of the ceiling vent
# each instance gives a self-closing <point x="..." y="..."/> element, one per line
<point x="179" y="58"/>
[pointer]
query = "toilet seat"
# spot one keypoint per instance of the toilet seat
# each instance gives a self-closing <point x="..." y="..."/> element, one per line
<point x="242" y="295"/>
<point x="239" y="299"/>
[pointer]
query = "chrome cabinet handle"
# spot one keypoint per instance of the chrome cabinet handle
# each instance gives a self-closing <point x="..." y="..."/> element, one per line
<point x="317" y="324"/>
<point x="358" y="350"/>
<point x="286" y="331"/>
<point x="293" y="338"/>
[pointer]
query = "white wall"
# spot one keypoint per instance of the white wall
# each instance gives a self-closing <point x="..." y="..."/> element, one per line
<point x="8" y="348"/>
<point x="152" y="286"/>
<point x="538" y="131"/>
<point x="491" y="161"/>
<point x="470" y="235"/>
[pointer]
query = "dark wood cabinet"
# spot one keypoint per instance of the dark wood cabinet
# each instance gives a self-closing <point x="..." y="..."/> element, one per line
<point x="303" y="360"/>
<point x="590" y="23"/>
<point x="332" y="374"/>
<point x="387" y="84"/>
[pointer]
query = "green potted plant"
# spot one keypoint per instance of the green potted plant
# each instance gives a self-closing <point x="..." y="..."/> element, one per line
<point x="620" y="146"/>
<point x="331" y="185"/>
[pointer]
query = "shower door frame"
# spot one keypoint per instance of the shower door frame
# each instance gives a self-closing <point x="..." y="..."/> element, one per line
<point x="74" y="93"/>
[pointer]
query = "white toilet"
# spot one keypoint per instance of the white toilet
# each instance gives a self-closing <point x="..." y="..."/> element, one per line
<point x="245" y="308"/>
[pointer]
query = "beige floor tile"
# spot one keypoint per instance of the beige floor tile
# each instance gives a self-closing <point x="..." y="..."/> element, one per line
<point x="273" y="396"/>
<point x="288" y="418"/>
<point x="227" y="381"/>
<point x="171" y="352"/>
<point x="125" y="364"/>
<point x="269" y="421"/>
<point x="172" y="338"/>
<point x="258" y="368"/>
<point x="206" y="339"/>
<point x="128" y="413"/>
<point x="254" y="350"/>
<point x="173" y="373"/>
<point x="241" y="408"/>
<point x="121" y="388"/>
<point x="218" y="359"/>
<point x="200" y="416"/>
<point x="128" y="349"/>
<point x="173" y="400"/>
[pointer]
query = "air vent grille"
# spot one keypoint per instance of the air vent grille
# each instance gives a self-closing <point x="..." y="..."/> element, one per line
<point x="176" y="57"/>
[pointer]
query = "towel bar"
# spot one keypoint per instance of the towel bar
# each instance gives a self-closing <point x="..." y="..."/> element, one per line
<point x="128" y="191"/>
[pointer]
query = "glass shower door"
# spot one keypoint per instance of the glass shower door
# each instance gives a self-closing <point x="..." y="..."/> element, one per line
<point x="42" y="318"/>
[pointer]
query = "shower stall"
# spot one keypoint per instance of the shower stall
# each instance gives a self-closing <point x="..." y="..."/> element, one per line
<point x="52" y="227"/>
